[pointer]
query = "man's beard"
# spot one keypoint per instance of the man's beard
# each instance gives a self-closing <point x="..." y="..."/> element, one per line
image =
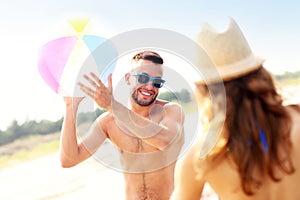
<point x="142" y="102"/>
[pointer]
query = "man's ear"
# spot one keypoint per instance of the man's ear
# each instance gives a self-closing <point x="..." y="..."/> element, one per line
<point x="127" y="78"/>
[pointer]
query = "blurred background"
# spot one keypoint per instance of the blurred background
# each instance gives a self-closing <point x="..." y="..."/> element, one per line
<point x="31" y="113"/>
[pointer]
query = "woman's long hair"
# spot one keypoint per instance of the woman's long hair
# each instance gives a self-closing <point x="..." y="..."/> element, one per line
<point x="258" y="129"/>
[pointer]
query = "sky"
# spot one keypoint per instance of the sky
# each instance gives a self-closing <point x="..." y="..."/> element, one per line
<point x="270" y="26"/>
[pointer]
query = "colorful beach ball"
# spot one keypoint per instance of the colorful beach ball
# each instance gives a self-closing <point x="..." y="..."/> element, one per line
<point x="63" y="61"/>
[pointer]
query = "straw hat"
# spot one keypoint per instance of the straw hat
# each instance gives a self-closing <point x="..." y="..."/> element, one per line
<point x="229" y="51"/>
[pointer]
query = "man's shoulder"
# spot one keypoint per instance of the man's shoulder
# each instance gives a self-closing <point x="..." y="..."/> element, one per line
<point x="165" y="103"/>
<point x="173" y="110"/>
<point x="105" y="120"/>
<point x="105" y="117"/>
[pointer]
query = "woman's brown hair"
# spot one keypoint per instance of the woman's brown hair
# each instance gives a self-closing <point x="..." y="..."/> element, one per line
<point x="258" y="126"/>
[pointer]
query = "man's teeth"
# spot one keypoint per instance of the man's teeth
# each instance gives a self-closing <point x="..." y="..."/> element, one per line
<point x="146" y="93"/>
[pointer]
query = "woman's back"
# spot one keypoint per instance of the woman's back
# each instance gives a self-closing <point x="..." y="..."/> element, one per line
<point x="224" y="178"/>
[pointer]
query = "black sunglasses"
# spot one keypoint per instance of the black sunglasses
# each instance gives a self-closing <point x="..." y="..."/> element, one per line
<point x="145" y="78"/>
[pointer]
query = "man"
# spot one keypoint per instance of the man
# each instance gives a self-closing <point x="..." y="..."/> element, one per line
<point x="148" y="134"/>
<point x="257" y="153"/>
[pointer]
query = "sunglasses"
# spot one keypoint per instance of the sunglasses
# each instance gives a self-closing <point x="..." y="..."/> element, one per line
<point x="145" y="78"/>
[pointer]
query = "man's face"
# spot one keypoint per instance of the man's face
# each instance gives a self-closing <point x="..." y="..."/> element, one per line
<point x="145" y="94"/>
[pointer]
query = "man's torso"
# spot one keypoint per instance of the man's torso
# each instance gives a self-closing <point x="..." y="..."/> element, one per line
<point x="148" y="172"/>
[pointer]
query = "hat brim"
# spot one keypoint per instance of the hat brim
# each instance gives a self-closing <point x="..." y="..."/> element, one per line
<point x="229" y="72"/>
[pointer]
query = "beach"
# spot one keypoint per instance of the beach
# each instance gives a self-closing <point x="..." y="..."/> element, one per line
<point x="291" y="94"/>
<point x="43" y="178"/>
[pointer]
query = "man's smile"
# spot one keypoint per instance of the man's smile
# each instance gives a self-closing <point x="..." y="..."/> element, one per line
<point x="146" y="93"/>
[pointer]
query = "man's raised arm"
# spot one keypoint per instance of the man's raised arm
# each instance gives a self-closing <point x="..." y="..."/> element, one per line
<point x="72" y="152"/>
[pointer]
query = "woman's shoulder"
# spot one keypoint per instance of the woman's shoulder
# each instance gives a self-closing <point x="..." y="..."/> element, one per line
<point x="294" y="112"/>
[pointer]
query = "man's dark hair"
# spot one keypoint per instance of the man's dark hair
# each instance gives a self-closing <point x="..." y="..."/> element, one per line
<point x="148" y="55"/>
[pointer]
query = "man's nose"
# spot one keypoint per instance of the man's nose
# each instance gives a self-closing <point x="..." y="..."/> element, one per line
<point x="149" y="85"/>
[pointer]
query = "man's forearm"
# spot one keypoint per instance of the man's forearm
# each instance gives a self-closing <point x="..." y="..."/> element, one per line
<point x="68" y="138"/>
<point x="136" y="124"/>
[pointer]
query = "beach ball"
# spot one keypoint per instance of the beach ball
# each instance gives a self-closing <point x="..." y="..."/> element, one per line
<point x="63" y="61"/>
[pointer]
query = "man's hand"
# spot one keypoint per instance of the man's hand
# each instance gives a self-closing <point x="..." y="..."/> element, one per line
<point x="101" y="94"/>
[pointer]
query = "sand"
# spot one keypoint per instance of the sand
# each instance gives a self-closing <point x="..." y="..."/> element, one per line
<point x="44" y="179"/>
